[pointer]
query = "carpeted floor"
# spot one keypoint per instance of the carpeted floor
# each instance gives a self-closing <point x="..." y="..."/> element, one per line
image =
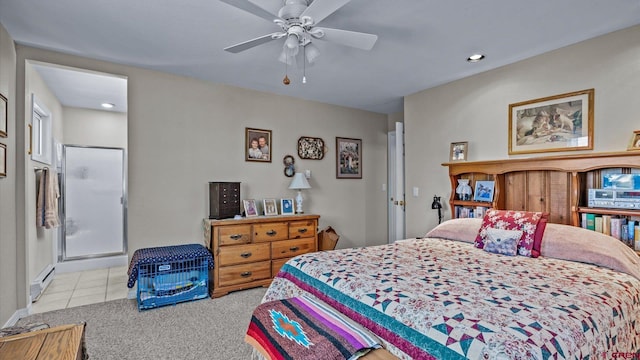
<point x="203" y="329"/>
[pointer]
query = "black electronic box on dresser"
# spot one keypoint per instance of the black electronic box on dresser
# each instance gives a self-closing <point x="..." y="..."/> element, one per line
<point x="224" y="200"/>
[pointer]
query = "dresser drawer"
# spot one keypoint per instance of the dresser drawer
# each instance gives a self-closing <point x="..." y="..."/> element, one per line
<point x="231" y="255"/>
<point x="240" y="274"/>
<point x="276" y="265"/>
<point x="291" y="248"/>
<point x="271" y="231"/>
<point x="302" y="229"/>
<point x="232" y="235"/>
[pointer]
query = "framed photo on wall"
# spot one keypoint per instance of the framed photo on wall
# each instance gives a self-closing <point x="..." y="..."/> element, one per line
<point x="3" y="160"/>
<point x="556" y="123"/>
<point x="258" y="145"/>
<point x="311" y="148"/>
<point x="348" y="158"/>
<point x="4" y="114"/>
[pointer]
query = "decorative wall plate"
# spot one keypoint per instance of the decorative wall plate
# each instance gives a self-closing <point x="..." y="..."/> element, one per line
<point x="311" y="148"/>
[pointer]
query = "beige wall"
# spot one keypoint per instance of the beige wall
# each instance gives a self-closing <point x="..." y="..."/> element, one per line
<point x="475" y="109"/>
<point x="40" y="241"/>
<point x="184" y="133"/>
<point x="9" y="261"/>
<point x="94" y="127"/>
<point x="392" y="119"/>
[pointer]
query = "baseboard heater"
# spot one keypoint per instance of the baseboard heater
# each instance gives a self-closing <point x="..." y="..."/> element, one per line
<point x="41" y="282"/>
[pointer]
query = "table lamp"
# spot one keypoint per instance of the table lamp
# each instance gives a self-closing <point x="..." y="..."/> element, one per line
<point x="299" y="182"/>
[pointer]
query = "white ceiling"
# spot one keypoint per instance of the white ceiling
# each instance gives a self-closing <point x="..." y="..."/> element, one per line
<point x="421" y="43"/>
<point x="84" y="89"/>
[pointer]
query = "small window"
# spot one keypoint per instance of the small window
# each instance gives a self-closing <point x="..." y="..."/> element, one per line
<point x="41" y="135"/>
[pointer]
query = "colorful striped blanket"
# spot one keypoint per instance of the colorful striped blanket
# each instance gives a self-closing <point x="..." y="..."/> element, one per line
<point x="302" y="327"/>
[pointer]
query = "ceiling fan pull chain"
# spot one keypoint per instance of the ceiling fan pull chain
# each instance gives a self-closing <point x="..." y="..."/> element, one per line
<point x="304" y="64"/>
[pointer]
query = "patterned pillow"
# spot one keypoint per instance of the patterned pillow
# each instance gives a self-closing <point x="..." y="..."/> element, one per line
<point x="511" y="220"/>
<point x="505" y="242"/>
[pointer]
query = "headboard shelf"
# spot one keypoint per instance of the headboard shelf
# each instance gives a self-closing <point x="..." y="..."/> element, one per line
<point x="554" y="184"/>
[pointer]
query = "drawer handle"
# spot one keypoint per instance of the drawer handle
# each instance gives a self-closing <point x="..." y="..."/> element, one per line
<point x="236" y="236"/>
<point x="245" y="255"/>
<point x="246" y="274"/>
<point x="271" y="232"/>
<point x="303" y="230"/>
<point x="294" y="248"/>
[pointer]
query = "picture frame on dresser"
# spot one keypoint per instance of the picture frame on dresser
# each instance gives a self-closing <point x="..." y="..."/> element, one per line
<point x="286" y="206"/>
<point x="270" y="207"/>
<point x="250" y="208"/>
<point x="561" y="122"/>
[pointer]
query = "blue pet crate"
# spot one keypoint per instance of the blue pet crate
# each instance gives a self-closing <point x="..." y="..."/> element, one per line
<point x="170" y="274"/>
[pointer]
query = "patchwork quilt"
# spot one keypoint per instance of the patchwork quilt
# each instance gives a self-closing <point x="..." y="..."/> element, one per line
<point x="441" y="299"/>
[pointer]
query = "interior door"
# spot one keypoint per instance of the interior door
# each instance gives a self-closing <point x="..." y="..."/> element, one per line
<point x="396" y="208"/>
<point x="94" y="202"/>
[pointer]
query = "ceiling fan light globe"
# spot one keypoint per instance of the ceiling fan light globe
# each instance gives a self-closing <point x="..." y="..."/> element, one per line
<point x="311" y="52"/>
<point x="291" y="42"/>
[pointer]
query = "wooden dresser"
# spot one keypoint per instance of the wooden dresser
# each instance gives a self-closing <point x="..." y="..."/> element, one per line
<point x="249" y="252"/>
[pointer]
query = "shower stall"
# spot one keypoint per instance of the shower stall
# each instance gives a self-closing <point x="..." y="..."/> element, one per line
<point x="93" y="204"/>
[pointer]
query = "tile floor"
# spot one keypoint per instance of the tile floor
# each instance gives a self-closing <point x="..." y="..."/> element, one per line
<point x="83" y="288"/>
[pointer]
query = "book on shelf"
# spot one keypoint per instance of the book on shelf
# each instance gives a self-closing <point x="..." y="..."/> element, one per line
<point x="598" y="224"/>
<point x="616" y="227"/>
<point x="591" y="221"/>
<point x="631" y="226"/>
<point x="606" y="224"/>
<point x="583" y="220"/>
<point x="480" y="210"/>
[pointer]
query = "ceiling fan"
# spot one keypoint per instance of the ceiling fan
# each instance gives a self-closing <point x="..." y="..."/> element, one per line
<point x="297" y="20"/>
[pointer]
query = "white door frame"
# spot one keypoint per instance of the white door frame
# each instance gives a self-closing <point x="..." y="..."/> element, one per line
<point x="396" y="196"/>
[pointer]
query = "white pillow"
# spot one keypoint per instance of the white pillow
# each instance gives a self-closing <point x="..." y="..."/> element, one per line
<point x="464" y="229"/>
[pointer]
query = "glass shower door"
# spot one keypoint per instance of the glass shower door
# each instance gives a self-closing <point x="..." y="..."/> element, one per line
<point x="94" y="202"/>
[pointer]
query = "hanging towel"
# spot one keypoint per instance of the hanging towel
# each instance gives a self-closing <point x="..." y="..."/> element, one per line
<point x="48" y="194"/>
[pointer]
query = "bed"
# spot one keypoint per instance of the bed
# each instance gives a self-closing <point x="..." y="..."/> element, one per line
<point x="441" y="297"/>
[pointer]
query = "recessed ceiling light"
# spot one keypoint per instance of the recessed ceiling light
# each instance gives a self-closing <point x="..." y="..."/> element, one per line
<point x="108" y="105"/>
<point x="475" y="58"/>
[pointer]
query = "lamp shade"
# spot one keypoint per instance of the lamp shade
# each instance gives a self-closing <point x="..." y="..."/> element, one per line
<point x="299" y="182"/>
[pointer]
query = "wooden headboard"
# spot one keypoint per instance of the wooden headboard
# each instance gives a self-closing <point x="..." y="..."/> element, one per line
<point x="555" y="184"/>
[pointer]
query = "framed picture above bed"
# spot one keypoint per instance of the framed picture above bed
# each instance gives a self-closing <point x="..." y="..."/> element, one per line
<point x="556" y="123"/>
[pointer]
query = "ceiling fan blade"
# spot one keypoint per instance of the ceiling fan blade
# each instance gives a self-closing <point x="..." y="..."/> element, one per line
<point x="354" y="39"/>
<point x="320" y="9"/>
<point x="252" y="8"/>
<point x="251" y="43"/>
